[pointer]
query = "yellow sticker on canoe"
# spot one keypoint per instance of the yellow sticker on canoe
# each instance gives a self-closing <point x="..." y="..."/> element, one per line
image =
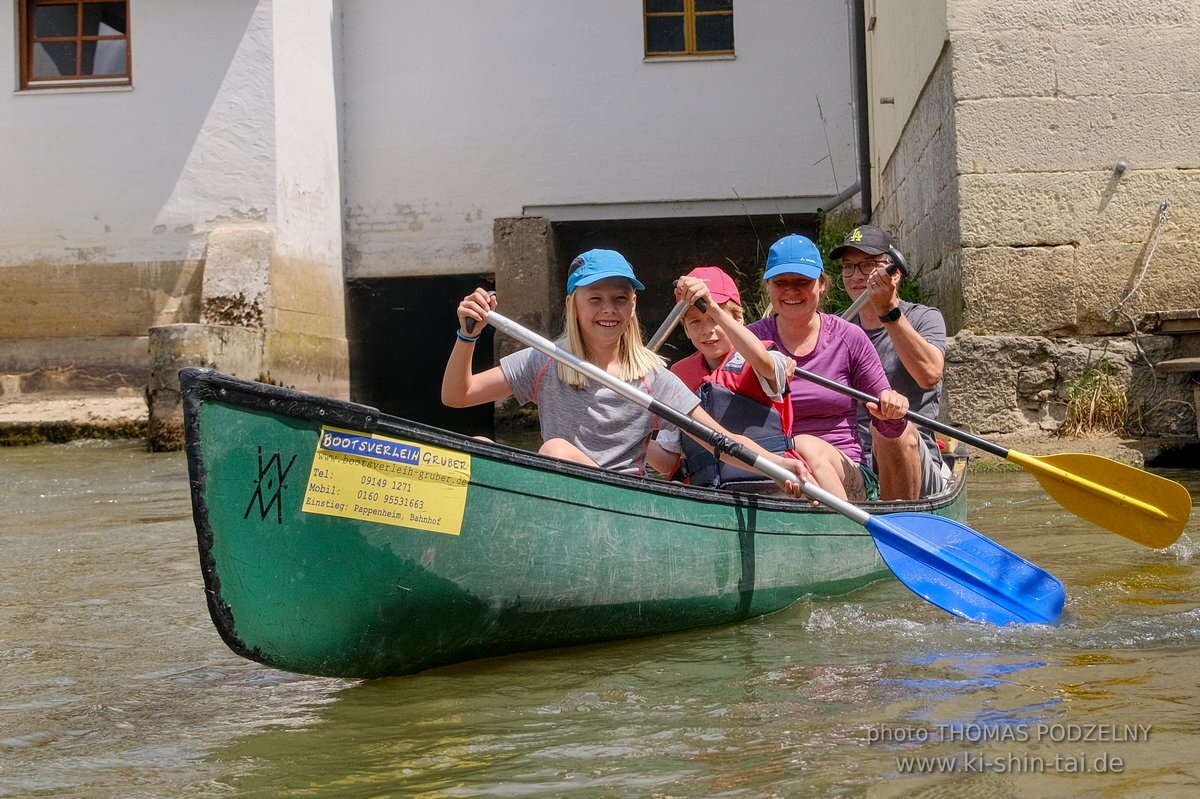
<point x="386" y="480"/>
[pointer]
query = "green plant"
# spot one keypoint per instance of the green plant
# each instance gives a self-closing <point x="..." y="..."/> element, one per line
<point x="831" y="231"/>
<point x="1096" y="403"/>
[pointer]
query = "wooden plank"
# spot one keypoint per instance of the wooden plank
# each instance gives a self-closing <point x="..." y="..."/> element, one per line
<point x="1180" y="326"/>
<point x="1179" y="365"/>
<point x="1184" y="320"/>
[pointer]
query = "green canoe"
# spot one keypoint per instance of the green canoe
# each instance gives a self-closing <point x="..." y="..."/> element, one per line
<point x="339" y="541"/>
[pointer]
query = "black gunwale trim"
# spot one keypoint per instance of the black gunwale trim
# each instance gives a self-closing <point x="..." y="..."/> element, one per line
<point x="208" y="384"/>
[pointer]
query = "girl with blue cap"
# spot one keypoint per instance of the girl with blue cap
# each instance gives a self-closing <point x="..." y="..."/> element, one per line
<point x="583" y="421"/>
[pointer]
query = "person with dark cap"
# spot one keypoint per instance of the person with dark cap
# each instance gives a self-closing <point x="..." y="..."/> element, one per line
<point x="911" y="341"/>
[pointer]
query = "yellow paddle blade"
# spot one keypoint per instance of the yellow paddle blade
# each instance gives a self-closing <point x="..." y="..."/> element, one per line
<point x="1141" y="506"/>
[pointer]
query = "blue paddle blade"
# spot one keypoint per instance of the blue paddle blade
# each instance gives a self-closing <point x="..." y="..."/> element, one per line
<point x="961" y="571"/>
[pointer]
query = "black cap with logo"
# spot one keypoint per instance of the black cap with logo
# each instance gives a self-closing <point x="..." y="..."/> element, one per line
<point x="866" y="238"/>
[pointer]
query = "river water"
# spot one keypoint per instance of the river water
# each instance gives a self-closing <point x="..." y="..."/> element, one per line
<point x="114" y="683"/>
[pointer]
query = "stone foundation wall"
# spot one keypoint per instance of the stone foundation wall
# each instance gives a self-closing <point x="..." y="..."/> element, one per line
<point x="1019" y="384"/>
<point x="304" y="342"/>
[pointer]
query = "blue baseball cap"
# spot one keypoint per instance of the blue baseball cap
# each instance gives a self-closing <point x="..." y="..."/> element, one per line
<point x="794" y="255"/>
<point x="596" y="265"/>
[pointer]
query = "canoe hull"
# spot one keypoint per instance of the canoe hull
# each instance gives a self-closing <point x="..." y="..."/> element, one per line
<point x="303" y="575"/>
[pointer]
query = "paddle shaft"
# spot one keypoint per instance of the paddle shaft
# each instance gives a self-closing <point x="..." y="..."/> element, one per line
<point x="1025" y="461"/>
<point x="720" y="442"/>
<point x="667" y="326"/>
<point x="898" y="262"/>
<point x="1043" y="469"/>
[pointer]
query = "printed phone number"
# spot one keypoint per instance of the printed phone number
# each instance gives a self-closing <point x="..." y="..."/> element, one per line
<point x="384" y="483"/>
<point x="390" y="499"/>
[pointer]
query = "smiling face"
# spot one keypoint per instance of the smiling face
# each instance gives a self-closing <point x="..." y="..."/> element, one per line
<point x="706" y="336"/>
<point x="795" y="296"/>
<point x="603" y="310"/>
<point x="857" y="267"/>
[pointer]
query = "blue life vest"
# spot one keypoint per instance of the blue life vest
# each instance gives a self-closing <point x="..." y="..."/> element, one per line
<point x="735" y="412"/>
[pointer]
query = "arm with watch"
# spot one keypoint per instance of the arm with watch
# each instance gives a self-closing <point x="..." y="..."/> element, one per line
<point x="921" y="359"/>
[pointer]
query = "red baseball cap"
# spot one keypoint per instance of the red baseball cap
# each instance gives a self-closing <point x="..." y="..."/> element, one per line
<point x="720" y="285"/>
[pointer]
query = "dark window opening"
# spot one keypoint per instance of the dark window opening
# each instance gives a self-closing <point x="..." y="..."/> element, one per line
<point x="400" y="332"/>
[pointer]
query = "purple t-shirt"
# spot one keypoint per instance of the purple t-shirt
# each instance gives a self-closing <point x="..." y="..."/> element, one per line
<point x="845" y="354"/>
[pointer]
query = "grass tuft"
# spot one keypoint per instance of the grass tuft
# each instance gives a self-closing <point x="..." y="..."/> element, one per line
<point x="1096" y="404"/>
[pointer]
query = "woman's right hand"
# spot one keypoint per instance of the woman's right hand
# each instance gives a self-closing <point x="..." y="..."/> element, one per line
<point x="473" y="311"/>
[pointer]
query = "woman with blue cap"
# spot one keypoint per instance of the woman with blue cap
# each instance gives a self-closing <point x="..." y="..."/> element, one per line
<point x="824" y="423"/>
<point x="581" y="420"/>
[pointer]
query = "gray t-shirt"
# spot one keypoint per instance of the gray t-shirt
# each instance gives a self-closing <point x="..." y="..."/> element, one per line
<point x="932" y="327"/>
<point x="612" y="430"/>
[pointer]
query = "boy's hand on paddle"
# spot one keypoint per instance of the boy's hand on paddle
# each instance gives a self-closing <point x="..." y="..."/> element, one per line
<point x="473" y="311"/>
<point x="694" y="290"/>
<point x="798" y="467"/>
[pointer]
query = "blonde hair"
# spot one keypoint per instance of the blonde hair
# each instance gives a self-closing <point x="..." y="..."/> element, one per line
<point x="637" y="360"/>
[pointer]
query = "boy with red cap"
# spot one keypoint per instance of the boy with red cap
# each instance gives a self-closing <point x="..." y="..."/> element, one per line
<point x="741" y="382"/>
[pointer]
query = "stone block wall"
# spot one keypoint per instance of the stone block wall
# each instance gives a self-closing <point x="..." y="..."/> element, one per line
<point x="918" y="193"/>
<point x="1028" y="182"/>
<point x="527" y="277"/>
<point x="1021" y="384"/>
<point x="1075" y="122"/>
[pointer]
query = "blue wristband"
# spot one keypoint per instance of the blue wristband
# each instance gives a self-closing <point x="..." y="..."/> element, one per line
<point x="466" y="338"/>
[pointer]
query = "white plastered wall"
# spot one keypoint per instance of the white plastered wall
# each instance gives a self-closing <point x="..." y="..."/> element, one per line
<point x="466" y="112"/>
<point x="142" y="174"/>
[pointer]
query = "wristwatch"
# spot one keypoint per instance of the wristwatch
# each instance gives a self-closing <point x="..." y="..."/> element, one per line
<point x="891" y="316"/>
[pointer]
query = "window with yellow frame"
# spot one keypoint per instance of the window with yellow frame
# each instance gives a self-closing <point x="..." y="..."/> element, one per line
<point x="688" y="27"/>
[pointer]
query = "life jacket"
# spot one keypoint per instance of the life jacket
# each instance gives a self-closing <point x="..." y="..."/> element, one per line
<point x="733" y="397"/>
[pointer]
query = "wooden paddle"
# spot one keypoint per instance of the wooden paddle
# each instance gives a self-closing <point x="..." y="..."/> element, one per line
<point x="1141" y="506"/>
<point x="939" y="559"/>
